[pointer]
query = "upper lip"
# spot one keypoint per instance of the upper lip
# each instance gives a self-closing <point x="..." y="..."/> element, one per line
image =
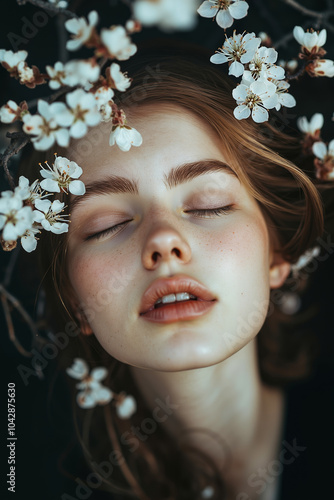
<point x="175" y="284"/>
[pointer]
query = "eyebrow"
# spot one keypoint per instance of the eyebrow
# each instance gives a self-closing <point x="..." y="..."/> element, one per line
<point x="178" y="175"/>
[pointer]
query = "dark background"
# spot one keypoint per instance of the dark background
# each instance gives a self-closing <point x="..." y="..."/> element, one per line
<point x="46" y="441"/>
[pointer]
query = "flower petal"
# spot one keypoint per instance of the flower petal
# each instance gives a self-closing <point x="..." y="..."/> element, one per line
<point x="260" y="114"/>
<point x="218" y="58"/>
<point x="206" y="9"/>
<point x="29" y="243"/>
<point x="238" y="9"/>
<point x="50" y="185"/>
<point x="224" y="19"/>
<point x="316" y="122"/>
<point x="241" y="112"/>
<point x="127" y="407"/>
<point x="99" y="373"/>
<point x="77" y="188"/>
<point x="319" y="149"/>
<point x="86" y="400"/>
<point x="236" y="69"/>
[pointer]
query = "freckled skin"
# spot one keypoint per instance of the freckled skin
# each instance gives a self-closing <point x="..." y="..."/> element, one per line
<point x="115" y="271"/>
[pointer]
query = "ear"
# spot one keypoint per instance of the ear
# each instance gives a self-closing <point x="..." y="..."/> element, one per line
<point x="279" y="271"/>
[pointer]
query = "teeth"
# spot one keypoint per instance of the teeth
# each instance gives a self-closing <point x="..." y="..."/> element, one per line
<point x="167" y="299"/>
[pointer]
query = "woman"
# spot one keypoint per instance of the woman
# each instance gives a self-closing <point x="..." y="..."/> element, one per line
<point x="199" y="224"/>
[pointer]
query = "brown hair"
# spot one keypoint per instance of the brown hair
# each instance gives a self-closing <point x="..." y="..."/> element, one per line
<point x="293" y="209"/>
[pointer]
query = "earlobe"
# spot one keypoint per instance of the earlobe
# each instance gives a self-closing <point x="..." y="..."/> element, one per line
<point x="278" y="273"/>
<point x="84" y="325"/>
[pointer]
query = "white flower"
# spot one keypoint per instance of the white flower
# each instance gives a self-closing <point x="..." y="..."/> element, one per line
<point x="44" y="126"/>
<point x="322" y="152"/>
<point x="73" y="73"/>
<point x="81" y="72"/>
<point x="15" y="219"/>
<point x="238" y="50"/>
<point x="49" y="216"/>
<point x="262" y="65"/>
<point x="310" y="40"/>
<point x="106" y="111"/>
<point x="102" y="96"/>
<point x="255" y="99"/>
<point x="133" y="26"/>
<point x="118" y="43"/>
<point x="26" y="192"/>
<point x="324" y="160"/>
<point x="26" y="74"/>
<point x="10" y="59"/>
<point x="321" y="67"/>
<point x="166" y="14"/>
<point x="60" y="177"/>
<point x="305" y="259"/>
<point x="126" y="407"/>
<point x="125" y="137"/>
<point x="10" y="112"/>
<point x="120" y="80"/>
<point x="60" y="3"/>
<point x="82" y="112"/>
<point x="78" y="370"/>
<point x="284" y="99"/>
<point x="292" y="65"/>
<point x="29" y="240"/>
<point x="208" y="492"/>
<point x="313" y="126"/>
<point x="92" y="392"/>
<point x="81" y="30"/>
<point x="57" y="75"/>
<point x="22" y="190"/>
<point x="225" y="11"/>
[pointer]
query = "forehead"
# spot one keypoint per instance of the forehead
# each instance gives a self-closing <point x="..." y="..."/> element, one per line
<point x="171" y="136"/>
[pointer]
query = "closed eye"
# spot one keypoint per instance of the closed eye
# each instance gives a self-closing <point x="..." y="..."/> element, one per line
<point x="107" y="232"/>
<point x="209" y="212"/>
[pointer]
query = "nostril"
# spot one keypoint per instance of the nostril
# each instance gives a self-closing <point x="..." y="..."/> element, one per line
<point x="177" y="251"/>
<point x="155" y="256"/>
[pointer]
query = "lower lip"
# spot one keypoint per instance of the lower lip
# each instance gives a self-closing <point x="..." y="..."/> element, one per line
<point x="179" y="311"/>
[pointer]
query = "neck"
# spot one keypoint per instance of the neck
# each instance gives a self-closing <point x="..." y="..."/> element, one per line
<point x="224" y="405"/>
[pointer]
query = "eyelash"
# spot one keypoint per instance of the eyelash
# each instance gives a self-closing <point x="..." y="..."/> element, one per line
<point x="201" y="213"/>
<point x="106" y="232"/>
<point x="209" y="211"/>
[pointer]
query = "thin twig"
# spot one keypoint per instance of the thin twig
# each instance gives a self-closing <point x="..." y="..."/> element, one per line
<point x="10" y="268"/>
<point x="11" y="330"/>
<point x="300" y="72"/>
<point x="306" y="11"/>
<point x="14" y="301"/>
<point x="12" y="150"/>
<point x="48" y="6"/>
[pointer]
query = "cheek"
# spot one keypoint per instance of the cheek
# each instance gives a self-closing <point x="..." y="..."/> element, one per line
<point x="242" y="249"/>
<point x="100" y="281"/>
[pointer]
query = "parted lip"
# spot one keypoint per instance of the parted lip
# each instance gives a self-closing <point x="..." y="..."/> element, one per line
<point x="175" y="284"/>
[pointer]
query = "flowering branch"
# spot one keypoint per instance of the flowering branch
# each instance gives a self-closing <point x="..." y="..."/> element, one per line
<point x="308" y="12"/>
<point x="322" y="17"/>
<point x="18" y="140"/>
<point x="8" y="297"/>
<point x="49" y="6"/>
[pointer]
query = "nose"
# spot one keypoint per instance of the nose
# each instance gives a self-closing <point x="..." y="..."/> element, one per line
<point x="165" y="244"/>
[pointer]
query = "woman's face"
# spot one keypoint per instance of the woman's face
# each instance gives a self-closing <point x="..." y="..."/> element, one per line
<point x="154" y="213"/>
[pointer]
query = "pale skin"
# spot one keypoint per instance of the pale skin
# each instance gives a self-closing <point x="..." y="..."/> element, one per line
<point x="206" y="366"/>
